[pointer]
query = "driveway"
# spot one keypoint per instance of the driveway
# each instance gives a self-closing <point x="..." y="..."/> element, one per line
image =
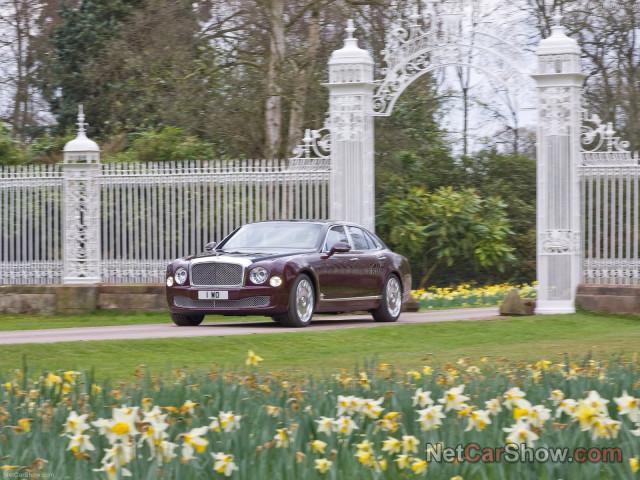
<point x="169" y="330"/>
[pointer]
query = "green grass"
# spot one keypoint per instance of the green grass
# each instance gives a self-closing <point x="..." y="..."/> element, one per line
<point x="99" y="319"/>
<point x="312" y="352"/>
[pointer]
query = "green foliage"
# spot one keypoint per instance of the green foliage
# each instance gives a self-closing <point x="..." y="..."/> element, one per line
<point x="9" y="152"/>
<point x="166" y="144"/>
<point x="447" y="227"/>
<point x="48" y="149"/>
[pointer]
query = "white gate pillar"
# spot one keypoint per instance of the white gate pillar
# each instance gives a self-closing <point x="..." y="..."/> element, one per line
<point x="559" y="223"/>
<point x="350" y="122"/>
<point x="81" y="193"/>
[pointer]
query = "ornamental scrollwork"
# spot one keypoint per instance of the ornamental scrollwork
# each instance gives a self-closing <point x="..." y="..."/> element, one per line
<point x="559" y="241"/>
<point x="600" y="144"/>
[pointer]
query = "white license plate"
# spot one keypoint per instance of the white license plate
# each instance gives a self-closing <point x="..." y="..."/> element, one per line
<point x="213" y="295"/>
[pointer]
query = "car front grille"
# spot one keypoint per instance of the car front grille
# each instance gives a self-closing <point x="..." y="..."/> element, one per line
<point x="216" y="274"/>
<point x="186" y="302"/>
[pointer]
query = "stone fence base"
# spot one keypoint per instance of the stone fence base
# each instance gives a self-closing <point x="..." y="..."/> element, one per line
<point x="621" y="299"/>
<point x="69" y="299"/>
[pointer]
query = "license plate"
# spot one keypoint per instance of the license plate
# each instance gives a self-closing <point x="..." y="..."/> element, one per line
<point x="213" y="295"/>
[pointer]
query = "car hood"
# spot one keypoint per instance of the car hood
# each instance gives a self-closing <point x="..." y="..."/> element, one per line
<point x="253" y="257"/>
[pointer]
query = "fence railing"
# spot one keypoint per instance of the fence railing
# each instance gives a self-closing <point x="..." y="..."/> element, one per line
<point x="150" y="213"/>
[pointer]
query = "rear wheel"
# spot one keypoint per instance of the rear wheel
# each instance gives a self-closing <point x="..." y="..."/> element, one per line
<point x="186" y="320"/>
<point x="301" y="304"/>
<point x="391" y="304"/>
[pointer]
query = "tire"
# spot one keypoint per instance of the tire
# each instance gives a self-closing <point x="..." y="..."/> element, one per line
<point x="186" y="320"/>
<point x="301" y="304"/>
<point x="391" y="304"/>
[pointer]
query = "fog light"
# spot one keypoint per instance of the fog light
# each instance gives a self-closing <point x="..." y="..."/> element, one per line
<point x="275" y="281"/>
<point x="169" y="281"/>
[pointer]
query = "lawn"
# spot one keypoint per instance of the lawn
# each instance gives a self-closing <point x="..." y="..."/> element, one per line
<point x="310" y="352"/>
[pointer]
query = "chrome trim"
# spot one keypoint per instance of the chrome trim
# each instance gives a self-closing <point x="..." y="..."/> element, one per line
<point x="350" y="299"/>
<point x="226" y="259"/>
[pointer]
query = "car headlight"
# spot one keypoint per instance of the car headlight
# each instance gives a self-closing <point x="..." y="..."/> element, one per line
<point x="275" y="281"/>
<point x="169" y="281"/>
<point x="258" y="275"/>
<point x="180" y="276"/>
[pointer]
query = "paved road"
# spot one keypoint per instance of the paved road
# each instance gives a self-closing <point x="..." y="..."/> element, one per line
<point x="169" y="330"/>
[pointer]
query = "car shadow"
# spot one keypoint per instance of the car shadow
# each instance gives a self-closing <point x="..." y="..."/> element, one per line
<point x="267" y="325"/>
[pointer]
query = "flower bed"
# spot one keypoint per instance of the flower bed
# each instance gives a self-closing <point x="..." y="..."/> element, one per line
<point x="377" y="422"/>
<point x="466" y="295"/>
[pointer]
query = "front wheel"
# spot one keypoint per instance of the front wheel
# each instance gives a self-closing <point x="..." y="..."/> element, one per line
<point x="186" y="320"/>
<point x="391" y="304"/>
<point x="301" y="304"/>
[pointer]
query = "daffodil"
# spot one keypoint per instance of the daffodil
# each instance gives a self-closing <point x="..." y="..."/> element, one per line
<point x="187" y="407"/>
<point x="281" y="438"/>
<point x="409" y="444"/>
<point x="193" y="442"/>
<point x="322" y="465"/>
<point x="454" y="399"/>
<point x="80" y="443"/>
<point x="511" y="395"/>
<point x="76" y="424"/>
<point x="566" y="406"/>
<point x="224" y="463"/>
<point x="403" y="461"/>
<point x="229" y="421"/>
<point x="628" y="405"/>
<point x="344" y="425"/>
<point x="422" y="399"/>
<point x="318" y="446"/>
<point x="325" y="425"/>
<point x="478" y="419"/>
<point x="556" y="397"/>
<point x="419" y="466"/>
<point x="430" y="417"/>
<point x="372" y="408"/>
<point x="520" y="433"/>
<point x="493" y="406"/>
<point x="122" y="425"/>
<point x="166" y="451"/>
<point x="273" y="411"/>
<point x="634" y="464"/>
<point x="52" y="380"/>
<point x="391" y="445"/>
<point x="252" y="359"/>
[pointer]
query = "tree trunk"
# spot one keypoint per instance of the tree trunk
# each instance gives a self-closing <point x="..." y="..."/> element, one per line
<point x="303" y="77"/>
<point x="273" y="107"/>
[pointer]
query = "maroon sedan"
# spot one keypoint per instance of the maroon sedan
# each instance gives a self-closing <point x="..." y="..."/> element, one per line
<point x="289" y="270"/>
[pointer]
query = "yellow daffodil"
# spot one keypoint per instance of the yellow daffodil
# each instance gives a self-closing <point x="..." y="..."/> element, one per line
<point x="318" y="446"/>
<point x="252" y="359"/>
<point x="322" y="464"/>
<point x="634" y="464"/>
<point x="419" y="466"/>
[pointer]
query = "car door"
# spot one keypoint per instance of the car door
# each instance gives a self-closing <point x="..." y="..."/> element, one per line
<point x="367" y="266"/>
<point x="336" y="272"/>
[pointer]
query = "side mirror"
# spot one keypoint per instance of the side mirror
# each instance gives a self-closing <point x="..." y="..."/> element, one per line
<point x="339" y="247"/>
<point x="210" y="246"/>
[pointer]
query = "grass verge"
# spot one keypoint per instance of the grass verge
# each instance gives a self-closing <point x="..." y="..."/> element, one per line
<point x="312" y="352"/>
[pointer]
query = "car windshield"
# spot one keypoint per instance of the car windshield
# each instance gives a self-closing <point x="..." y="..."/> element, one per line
<point x="261" y="237"/>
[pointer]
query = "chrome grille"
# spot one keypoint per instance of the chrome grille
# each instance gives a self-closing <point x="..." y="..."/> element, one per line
<point x="216" y="274"/>
<point x="186" y="302"/>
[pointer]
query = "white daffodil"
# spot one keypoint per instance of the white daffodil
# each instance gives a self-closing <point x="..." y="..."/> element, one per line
<point x="556" y="397"/>
<point x="403" y="461"/>
<point x="493" y="406"/>
<point x="372" y="408"/>
<point x="76" y="424"/>
<point x="344" y="425"/>
<point x="628" y="405"/>
<point x="112" y="471"/>
<point x="318" y="446"/>
<point x="122" y="426"/>
<point x="348" y="404"/>
<point x="193" y="442"/>
<point x="80" y="443"/>
<point x="597" y="402"/>
<point x="325" y="425"/>
<point x="224" y="463"/>
<point x="229" y="421"/>
<point x="454" y="399"/>
<point x="391" y="445"/>
<point x="478" y="419"/>
<point x="422" y="399"/>
<point x="166" y="451"/>
<point x="409" y="444"/>
<point x="120" y="454"/>
<point x="430" y="417"/>
<point x="282" y="438"/>
<point x="566" y="406"/>
<point x="511" y="395"/>
<point x="520" y="433"/>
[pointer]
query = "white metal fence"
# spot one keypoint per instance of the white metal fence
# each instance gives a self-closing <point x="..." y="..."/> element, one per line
<point x="150" y="213"/>
<point x="610" y="182"/>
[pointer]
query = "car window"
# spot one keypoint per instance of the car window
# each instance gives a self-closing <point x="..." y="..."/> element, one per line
<point x="373" y="240"/>
<point x="335" y="235"/>
<point x="360" y="241"/>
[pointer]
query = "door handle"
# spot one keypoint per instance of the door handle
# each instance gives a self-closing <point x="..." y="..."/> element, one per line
<point x="354" y="259"/>
<point x="382" y="258"/>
